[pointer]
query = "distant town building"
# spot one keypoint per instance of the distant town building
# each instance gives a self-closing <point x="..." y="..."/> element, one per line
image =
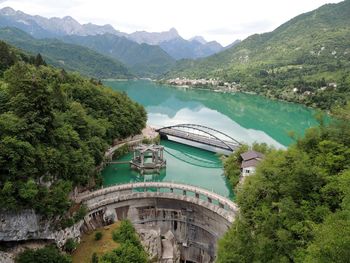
<point x="250" y="160"/>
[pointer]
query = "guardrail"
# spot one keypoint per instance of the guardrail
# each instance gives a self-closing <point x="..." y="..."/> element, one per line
<point x="223" y="202"/>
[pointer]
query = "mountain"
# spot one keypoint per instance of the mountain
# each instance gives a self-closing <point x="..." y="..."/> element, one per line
<point x="68" y="56"/>
<point x="199" y="39"/>
<point x="176" y="46"/>
<point x="12" y="18"/>
<point x="143" y="59"/>
<point x="233" y="44"/>
<point x="300" y="60"/>
<point x="170" y="41"/>
<point x="41" y="27"/>
<point x="154" y="38"/>
<point x="180" y="48"/>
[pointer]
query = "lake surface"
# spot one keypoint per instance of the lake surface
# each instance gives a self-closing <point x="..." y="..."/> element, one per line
<point x="185" y="164"/>
<point x="245" y="117"/>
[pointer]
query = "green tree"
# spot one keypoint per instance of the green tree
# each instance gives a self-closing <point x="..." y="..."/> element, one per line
<point x="296" y="207"/>
<point x="70" y="245"/>
<point x="126" y="233"/>
<point x="8" y="57"/>
<point x="54" y="130"/>
<point x="94" y="258"/>
<point x="29" y="190"/>
<point x="98" y="235"/>
<point x="125" y="253"/>
<point x="44" y="255"/>
<point x="39" y="61"/>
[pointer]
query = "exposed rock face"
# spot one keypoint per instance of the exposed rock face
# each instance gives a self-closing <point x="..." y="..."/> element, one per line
<point x="162" y="248"/>
<point x="151" y="241"/>
<point x="39" y="26"/>
<point x="154" y="38"/>
<point x="170" y="250"/>
<point x="6" y="257"/>
<point x="26" y="225"/>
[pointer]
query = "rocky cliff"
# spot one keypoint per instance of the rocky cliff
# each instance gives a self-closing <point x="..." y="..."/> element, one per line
<point x="26" y="225"/>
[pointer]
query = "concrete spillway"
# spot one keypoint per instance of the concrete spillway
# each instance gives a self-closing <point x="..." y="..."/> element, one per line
<point x="196" y="217"/>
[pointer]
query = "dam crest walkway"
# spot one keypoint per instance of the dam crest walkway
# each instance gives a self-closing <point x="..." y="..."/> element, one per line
<point x="167" y="190"/>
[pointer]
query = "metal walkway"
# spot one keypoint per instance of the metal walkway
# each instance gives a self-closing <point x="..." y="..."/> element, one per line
<point x="201" y="134"/>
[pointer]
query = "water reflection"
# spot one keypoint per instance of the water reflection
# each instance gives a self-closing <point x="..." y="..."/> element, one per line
<point x="245" y="117"/>
<point x="185" y="164"/>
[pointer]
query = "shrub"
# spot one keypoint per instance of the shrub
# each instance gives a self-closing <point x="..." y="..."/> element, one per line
<point x="94" y="258"/>
<point x="98" y="235"/>
<point x="49" y="254"/>
<point x="80" y="213"/>
<point x="126" y="253"/>
<point x="126" y="233"/>
<point x="70" y="245"/>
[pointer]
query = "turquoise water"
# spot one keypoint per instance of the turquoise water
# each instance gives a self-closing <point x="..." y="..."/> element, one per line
<point x="185" y="164"/>
<point x="247" y="118"/>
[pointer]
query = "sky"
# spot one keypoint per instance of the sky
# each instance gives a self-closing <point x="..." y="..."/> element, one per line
<point x="220" y="20"/>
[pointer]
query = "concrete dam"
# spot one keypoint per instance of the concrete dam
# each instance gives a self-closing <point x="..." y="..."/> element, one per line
<point x="176" y="222"/>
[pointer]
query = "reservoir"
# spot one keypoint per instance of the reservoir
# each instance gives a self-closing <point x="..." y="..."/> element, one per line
<point x="245" y="117"/>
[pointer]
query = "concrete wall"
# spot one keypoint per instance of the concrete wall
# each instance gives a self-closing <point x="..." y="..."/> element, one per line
<point x="196" y="217"/>
<point x="196" y="227"/>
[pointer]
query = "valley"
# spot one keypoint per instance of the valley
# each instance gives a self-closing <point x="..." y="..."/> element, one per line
<point x="124" y="140"/>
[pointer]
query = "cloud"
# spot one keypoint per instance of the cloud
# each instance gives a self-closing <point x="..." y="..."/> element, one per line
<point x="243" y="28"/>
<point x="224" y="21"/>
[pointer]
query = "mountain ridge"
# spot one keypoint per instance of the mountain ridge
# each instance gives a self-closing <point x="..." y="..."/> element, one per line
<point x="298" y="61"/>
<point x="68" y="56"/>
<point x="54" y="27"/>
<point x="143" y="59"/>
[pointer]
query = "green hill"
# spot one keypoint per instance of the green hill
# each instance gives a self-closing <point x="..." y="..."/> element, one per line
<point x="55" y="127"/>
<point x="304" y="54"/>
<point x="68" y="56"/>
<point x="143" y="59"/>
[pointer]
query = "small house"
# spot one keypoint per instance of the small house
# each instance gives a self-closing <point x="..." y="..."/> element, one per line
<point x="250" y="160"/>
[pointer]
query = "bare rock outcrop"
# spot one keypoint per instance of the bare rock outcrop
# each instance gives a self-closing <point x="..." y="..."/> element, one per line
<point x="151" y="241"/>
<point x="27" y="225"/>
<point x="6" y="257"/>
<point x="161" y="248"/>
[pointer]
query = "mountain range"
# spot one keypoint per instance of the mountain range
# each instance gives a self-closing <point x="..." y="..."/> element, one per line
<point x="300" y="58"/>
<point x="67" y="56"/>
<point x="170" y="41"/>
<point x="306" y="59"/>
<point x="41" y="27"/>
<point x="142" y="59"/>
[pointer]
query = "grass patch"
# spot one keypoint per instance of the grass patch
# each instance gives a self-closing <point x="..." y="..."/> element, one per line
<point x="89" y="245"/>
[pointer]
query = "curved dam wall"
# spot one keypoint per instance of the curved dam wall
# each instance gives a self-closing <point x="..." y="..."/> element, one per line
<point x="195" y="220"/>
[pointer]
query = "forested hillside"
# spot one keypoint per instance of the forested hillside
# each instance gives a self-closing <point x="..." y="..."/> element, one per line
<point x="305" y="60"/>
<point x="54" y="130"/>
<point x="296" y="208"/>
<point x="143" y="59"/>
<point x="68" y="56"/>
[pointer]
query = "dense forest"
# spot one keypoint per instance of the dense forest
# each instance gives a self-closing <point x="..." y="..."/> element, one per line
<point x="54" y="130"/>
<point x="305" y="60"/>
<point x="296" y="208"/>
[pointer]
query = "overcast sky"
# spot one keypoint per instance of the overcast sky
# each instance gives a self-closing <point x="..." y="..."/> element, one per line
<point x="221" y="20"/>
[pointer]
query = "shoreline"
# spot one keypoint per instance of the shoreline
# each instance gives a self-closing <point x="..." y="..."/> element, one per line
<point x="218" y="90"/>
<point x="240" y="91"/>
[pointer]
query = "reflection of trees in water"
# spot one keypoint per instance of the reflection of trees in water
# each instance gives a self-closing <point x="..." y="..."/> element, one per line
<point x="149" y="177"/>
<point x="275" y="118"/>
<point x="192" y="160"/>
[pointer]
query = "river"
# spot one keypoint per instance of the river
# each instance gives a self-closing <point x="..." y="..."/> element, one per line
<point x="245" y="117"/>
